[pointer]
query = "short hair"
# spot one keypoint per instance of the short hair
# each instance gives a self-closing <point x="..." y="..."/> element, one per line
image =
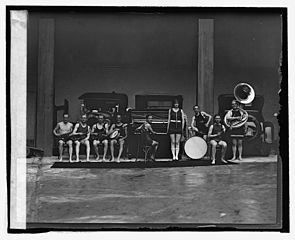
<point x="117" y="115"/>
<point x="65" y="114"/>
<point x="147" y="116"/>
<point x="175" y="100"/>
<point x="84" y="115"/>
<point x="100" y="115"/>
<point x="196" y="106"/>
<point x="235" y="101"/>
<point x="216" y="115"/>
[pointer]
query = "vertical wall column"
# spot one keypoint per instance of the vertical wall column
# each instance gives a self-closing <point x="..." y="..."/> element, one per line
<point x="45" y="98"/>
<point x="205" y="65"/>
<point x="18" y="111"/>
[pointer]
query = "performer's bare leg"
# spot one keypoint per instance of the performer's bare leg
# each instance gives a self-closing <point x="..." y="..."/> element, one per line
<point x="95" y="145"/>
<point x="173" y="143"/>
<point x="121" y="143"/>
<point x="70" y="144"/>
<point x="213" y="150"/>
<point x="112" y="149"/>
<point x="87" y="144"/>
<point x="223" y="150"/>
<point x="105" y="149"/>
<point x="240" y="148"/>
<point x="60" y="149"/>
<point x="155" y="146"/>
<point x="77" y="150"/>
<point x="177" y="147"/>
<point x="207" y="155"/>
<point x="234" y="148"/>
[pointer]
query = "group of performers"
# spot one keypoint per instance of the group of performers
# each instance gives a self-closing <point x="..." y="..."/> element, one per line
<point x="105" y="133"/>
<point x="99" y="133"/>
<point x="212" y="134"/>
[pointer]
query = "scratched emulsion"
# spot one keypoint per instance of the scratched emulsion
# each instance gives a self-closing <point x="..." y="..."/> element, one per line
<point x="242" y="193"/>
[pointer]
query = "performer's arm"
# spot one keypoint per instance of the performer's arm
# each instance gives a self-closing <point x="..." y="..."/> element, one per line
<point x="88" y="133"/>
<point x="182" y="118"/>
<point x="209" y="118"/>
<point x="149" y="127"/>
<point x="55" y="130"/>
<point x="243" y="113"/>
<point x="223" y="128"/>
<point x="193" y="124"/>
<point x="140" y="127"/>
<point x="71" y="129"/>
<point x="75" y="129"/>
<point x="93" y="129"/>
<point x="111" y="129"/>
<point x="210" y="135"/>
<point x="210" y="131"/>
<point x="169" y="119"/>
<point x="107" y="128"/>
<point x="126" y="133"/>
<point x="229" y="116"/>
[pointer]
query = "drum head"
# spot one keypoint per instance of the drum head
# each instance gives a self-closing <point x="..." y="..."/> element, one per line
<point x="114" y="134"/>
<point x="195" y="147"/>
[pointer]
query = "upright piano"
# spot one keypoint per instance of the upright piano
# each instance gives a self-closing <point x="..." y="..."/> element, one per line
<point x="157" y="106"/>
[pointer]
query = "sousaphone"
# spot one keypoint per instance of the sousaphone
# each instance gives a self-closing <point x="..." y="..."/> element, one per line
<point x="244" y="94"/>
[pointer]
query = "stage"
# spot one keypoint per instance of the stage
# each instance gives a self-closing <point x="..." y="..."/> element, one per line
<point x="242" y="193"/>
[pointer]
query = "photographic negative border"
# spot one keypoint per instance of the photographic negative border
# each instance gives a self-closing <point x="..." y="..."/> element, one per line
<point x="283" y="163"/>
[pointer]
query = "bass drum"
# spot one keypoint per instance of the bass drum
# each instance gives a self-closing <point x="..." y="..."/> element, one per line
<point x="195" y="147"/>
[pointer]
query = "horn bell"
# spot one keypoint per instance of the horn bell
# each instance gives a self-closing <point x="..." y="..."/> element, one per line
<point x="244" y="93"/>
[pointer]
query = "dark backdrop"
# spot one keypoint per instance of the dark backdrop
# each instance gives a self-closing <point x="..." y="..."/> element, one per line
<point x="142" y="53"/>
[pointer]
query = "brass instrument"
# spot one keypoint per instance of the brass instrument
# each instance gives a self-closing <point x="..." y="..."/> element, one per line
<point x="244" y="93"/>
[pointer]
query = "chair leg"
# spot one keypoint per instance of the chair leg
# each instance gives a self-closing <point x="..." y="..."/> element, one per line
<point x="146" y="152"/>
<point x="145" y="156"/>
<point x="137" y="154"/>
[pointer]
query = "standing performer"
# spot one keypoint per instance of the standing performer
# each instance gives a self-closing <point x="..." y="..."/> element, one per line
<point x="120" y="138"/>
<point x="200" y="123"/>
<point x="215" y="135"/>
<point x="175" y="128"/>
<point x="62" y="132"/>
<point x="147" y="130"/>
<point x="237" y="134"/>
<point x="99" y="135"/>
<point x="81" y="135"/>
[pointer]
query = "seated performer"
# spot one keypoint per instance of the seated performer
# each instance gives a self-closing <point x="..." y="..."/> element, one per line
<point x="215" y="135"/>
<point x="81" y="135"/>
<point x="99" y="135"/>
<point x="62" y="132"/>
<point x="237" y="134"/>
<point x="119" y="138"/>
<point x="147" y="130"/>
<point x="200" y="123"/>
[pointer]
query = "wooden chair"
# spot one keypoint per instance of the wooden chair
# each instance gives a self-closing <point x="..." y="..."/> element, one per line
<point x="141" y="144"/>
